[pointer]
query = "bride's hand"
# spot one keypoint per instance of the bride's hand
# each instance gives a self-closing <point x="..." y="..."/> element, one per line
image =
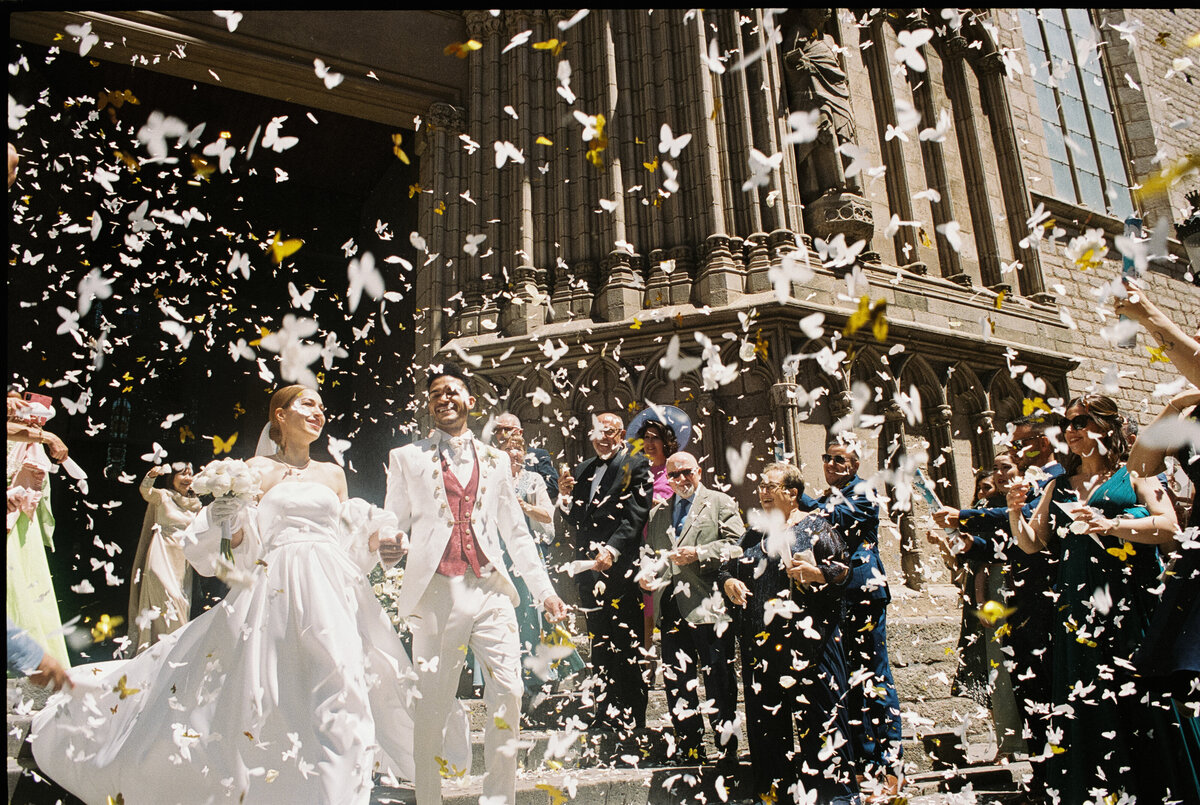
<point x="373" y="542"/>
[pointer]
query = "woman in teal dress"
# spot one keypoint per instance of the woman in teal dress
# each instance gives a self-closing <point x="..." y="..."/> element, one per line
<point x="1109" y="733"/>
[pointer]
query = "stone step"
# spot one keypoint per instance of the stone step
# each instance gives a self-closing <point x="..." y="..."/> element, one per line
<point x="625" y="786"/>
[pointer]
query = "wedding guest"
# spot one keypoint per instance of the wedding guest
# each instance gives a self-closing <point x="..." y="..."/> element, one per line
<point x="534" y="500"/>
<point x="1170" y="653"/>
<point x="30" y="598"/>
<point x="873" y="704"/>
<point x="161" y="579"/>
<point x="1103" y="524"/>
<point x="294" y="689"/>
<point x="690" y="535"/>
<point x="605" y="503"/>
<point x="982" y="674"/>
<point x="27" y="658"/>
<point x="787" y="594"/>
<point x="536" y="459"/>
<point x="663" y="430"/>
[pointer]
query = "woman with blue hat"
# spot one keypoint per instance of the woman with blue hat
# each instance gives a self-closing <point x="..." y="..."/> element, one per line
<point x="663" y="431"/>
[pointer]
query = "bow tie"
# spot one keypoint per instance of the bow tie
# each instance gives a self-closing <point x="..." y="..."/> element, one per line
<point x="457" y="443"/>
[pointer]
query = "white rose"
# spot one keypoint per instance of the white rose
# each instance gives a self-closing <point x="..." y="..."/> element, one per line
<point x="242" y="484"/>
<point x="220" y="485"/>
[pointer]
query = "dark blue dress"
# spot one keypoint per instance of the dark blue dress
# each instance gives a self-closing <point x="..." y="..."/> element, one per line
<point x="1116" y="735"/>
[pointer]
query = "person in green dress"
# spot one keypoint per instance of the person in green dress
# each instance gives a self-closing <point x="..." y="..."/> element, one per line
<point x="30" y="598"/>
<point x="1110" y="735"/>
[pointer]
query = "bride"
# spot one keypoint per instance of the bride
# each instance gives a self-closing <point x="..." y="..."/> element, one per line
<point x="296" y="688"/>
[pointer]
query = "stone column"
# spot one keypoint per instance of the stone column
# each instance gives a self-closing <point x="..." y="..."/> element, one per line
<point x="969" y="145"/>
<point x="911" y="562"/>
<point x="783" y="403"/>
<point x="933" y="157"/>
<point x="941" y="444"/>
<point x="899" y="194"/>
<point x="720" y="281"/>
<point x="437" y="281"/>
<point x="991" y="73"/>
<point x="758" y="263"/>
<point x="981" y="438"/>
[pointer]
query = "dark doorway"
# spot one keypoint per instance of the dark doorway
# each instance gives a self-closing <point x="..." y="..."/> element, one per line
<point x="340" y="182"/>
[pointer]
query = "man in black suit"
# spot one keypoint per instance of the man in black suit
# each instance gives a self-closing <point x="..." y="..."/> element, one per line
<point x="605" y="503"/>
<point x="536" y="458"/>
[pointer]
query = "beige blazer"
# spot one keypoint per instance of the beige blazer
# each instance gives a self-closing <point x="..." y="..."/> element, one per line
<point x="713" y="527"/>
<point x="416" y="494"/>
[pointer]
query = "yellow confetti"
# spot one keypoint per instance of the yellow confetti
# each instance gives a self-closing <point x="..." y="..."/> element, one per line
<point x="992" y="612"/>
<point x="123" y="690"/>
<point x="925" y="241"/>
<point x="1123" y="553"/>
<point x="238" y="410"/>
<point x="637" y="324"/>
<point x="500" y="723"/>
<point x="119" y="799"/>
<point x="445" y="769"/>
<point x="413" y="189"/>
<point x="115" y="99"/>
<point x="462" y="49"/>
<point x="185" y="433"/>
<point x="760" y="345"/>
<point x="867" y="312"/>
<point x="1158" y="354"/>
<point x="1028" y="406"/>
<point x="248" y="734"/>
<point x="557" y="797"/>
<point x="555" y="46"/>
<point x="129" y="160"/>
<point x="544" y="140"/>
<point x="105" y="627"/>
<point x="201" y="169"/>
<point x="716" y="108"/>
<point x="283" y="249"/>
<point x="398" y="138"/>
<point x="1089" y="259"/>
<point x="223" y="445"/>
<point x="651" y="166"/>
<point x="1000" y="299"/>
<point x="440" y="209"/>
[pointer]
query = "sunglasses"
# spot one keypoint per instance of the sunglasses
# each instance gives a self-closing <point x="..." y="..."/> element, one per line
<point x="828" y="459"/>
<point x="679" y="474"/>
<point x="1080" y="422"/>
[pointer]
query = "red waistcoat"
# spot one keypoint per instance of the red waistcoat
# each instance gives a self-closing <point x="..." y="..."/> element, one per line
<point x="463" y="550"/>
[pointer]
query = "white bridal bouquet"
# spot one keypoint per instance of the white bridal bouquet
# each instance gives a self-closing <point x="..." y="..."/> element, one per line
<point x="228" y="478"/>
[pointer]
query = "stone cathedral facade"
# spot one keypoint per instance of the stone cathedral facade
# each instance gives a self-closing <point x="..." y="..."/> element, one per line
<point x="567" y="266"/>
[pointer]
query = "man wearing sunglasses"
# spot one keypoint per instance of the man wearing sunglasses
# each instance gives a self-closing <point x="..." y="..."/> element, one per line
<point x="604" y="505"/>
<point x="985" y="538"/>
<point x="873" y="703"/>
<point x="691" y="534"/>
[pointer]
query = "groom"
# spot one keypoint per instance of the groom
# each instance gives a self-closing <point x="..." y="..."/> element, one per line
<point x="454" y="498"/>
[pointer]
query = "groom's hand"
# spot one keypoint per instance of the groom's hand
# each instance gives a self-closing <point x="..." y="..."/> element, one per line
<point x="392" y="549"/>
<point x="556" y="610"/>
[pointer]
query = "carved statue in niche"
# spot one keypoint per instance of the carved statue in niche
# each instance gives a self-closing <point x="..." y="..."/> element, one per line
<point x="816" y="80"/>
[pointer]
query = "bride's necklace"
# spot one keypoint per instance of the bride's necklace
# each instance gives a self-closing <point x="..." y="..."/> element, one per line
<point x="292" y="469"/>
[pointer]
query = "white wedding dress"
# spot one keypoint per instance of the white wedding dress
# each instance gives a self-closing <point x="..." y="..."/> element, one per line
<point x="295" y="689"/>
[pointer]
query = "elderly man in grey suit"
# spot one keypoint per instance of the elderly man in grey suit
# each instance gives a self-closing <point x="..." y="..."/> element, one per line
<point x="688" y="537"/>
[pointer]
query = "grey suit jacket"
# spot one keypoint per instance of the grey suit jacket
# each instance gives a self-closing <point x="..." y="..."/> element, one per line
<point x="713" y="528"/>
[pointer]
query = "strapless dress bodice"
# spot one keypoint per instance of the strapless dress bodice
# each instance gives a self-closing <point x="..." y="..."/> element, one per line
<point x="298" y="511"/>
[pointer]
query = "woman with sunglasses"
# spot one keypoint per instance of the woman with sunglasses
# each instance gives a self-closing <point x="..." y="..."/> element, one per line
<point x="1104" y="526"/>
<point x="787" y="593"/>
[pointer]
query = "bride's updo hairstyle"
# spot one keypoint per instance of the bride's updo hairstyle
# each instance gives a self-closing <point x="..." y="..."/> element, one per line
<point x="282" y="399"/>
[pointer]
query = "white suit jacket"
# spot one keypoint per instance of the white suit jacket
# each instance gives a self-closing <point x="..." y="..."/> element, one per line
<point x="416" y="494"/>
